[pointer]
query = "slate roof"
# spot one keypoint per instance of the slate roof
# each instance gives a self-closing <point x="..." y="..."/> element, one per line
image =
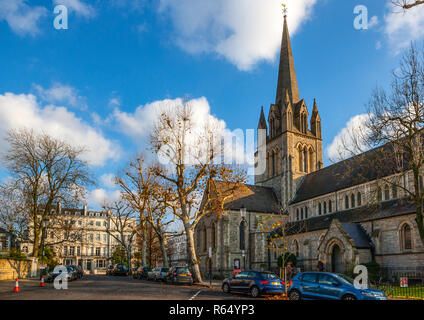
<point x="358" y="234"/>
<point x="386" y="209"/>
<point x="347" y="173"/>
<point x="253" y="198"/>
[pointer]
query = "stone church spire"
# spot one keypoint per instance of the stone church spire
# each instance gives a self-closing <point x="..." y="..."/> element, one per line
<point x="262" y="121"/>
<point x="286" y="74"/>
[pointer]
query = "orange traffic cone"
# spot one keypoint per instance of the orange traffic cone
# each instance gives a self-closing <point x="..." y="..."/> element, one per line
<point x="16" y="289"/>
<point x="42" y="281"/>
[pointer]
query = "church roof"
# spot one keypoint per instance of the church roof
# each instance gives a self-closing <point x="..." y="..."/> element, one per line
<point x="358" y="234"/>
<point x="253" y="198"/>
<point x="286" y="73"/>
<point x="386" y="209"/>
<point x="359" y="169"/>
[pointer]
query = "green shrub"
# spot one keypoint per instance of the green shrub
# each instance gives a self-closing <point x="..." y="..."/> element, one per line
<point x="16" y="254"/>
<point x="374" y="271"/>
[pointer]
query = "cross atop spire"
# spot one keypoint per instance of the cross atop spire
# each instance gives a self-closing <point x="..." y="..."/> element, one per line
<point x="287" y="74"/>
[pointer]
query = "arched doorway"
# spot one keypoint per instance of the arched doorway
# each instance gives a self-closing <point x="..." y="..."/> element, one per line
<point x="336" y="259"/>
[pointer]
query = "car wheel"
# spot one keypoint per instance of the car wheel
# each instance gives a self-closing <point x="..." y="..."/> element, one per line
<point x="294" y="295"/>
<point x="349" y="297"/>
<point x="254" y="291"/>
<point x="226" y="288"/>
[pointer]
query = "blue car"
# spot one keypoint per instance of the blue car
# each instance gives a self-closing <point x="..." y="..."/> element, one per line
<point x="329" y="286"/>
<point x="255" y="283"/>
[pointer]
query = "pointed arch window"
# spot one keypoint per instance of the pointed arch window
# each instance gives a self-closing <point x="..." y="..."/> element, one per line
<point x="297" y="214"/>
<point x="379" y="194"/>
<point x="319" y="209"/>
<point x="301" y="214"/>
<point x="242" y="235"/>
<point x="306" y="212"/>
<point x="359" y="196"/>
<point x="213" y="237"/>
<point x="311" y="161"/>
<point x="305" y="161"/>
<point x="325" y="207"/>
<point x="346" y="202"/>
<point x="386" y="192"/>
<point x="394" y="192"/>
<point x="352" y="200"/>
<point x="406" y="237"/>
<point x="300" y="159"/>
<point x="330" y="206"/>
<point x="205" y="240"/>
<point x="296" y="248"/>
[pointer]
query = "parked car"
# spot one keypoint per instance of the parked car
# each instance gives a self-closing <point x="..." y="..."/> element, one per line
<point x="120" y="270"/>
<point x="109" y="270"/>
<point x="70" y="275"/>
<point x="179" y="275"/>
<point x="79" y="270"/>
<point x="74" y="272"/>
<point x="160" y="273"/>
<point x="141" y="272"/>
<point x="254" y="282"/>
<point x="329" y="286"/>
<point x="151" y="275"/>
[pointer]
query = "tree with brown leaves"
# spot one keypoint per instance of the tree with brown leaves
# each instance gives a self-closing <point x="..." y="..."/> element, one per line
<point x="189" y="150"/>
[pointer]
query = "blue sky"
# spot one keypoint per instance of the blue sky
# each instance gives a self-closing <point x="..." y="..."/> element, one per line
<point x="97" y="81"/>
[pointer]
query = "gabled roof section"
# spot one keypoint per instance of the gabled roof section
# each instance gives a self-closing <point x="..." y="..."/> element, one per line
<point x="358" y="235"/>
<point x="253" y="198"/>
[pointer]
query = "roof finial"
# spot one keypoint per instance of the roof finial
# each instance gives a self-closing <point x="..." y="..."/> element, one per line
<point x="284" y="10"/>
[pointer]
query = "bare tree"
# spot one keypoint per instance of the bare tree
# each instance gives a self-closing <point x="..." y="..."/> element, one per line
<point x="137" y="183"/>
<point x="122" y="226"/>
<point x="189" y="150"/>
<point x="44" y="171"/>
<point x="393" y="130"/>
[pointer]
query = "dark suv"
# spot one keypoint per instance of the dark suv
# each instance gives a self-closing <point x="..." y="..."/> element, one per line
<point x="179" y="275"/>
<point x="120" y="270"/>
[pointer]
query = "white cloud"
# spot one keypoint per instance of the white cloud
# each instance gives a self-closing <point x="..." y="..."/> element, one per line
<point x="78" y="7"/>
<point x="60" y="93"/>
<point x="348" y="140"/>
<point x="373" y="22"/>
<point x="101" y="196"/>
<point x="378" y="45"/>
<point x="24" y="111"/>
<point x="114" y="102"/>
<point x="402" y="27"/>
<point x="108" y="180"/>
<point x="140" y="123"/>
<point x="245" y="32"/>
<point x="22" y="18"/>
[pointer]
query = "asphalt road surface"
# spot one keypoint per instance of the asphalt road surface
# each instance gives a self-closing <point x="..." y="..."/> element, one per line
<point x="100" y="287"/>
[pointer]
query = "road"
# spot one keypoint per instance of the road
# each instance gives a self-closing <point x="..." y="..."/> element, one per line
<point x="101" y="287"/>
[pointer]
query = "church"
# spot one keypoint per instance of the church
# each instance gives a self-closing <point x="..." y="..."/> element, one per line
<point x="330" y="215"/>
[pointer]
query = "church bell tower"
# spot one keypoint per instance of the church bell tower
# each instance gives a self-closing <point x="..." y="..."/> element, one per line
<point x="293" y="139"/>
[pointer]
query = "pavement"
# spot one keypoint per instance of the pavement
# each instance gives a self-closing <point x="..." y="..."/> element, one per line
<point x="102" y="287"/>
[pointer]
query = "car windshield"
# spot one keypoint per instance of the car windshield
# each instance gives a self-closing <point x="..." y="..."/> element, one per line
<point x="345" y="279"/>
<point x="182" y="270"/>
<point x="266" y="275"/>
